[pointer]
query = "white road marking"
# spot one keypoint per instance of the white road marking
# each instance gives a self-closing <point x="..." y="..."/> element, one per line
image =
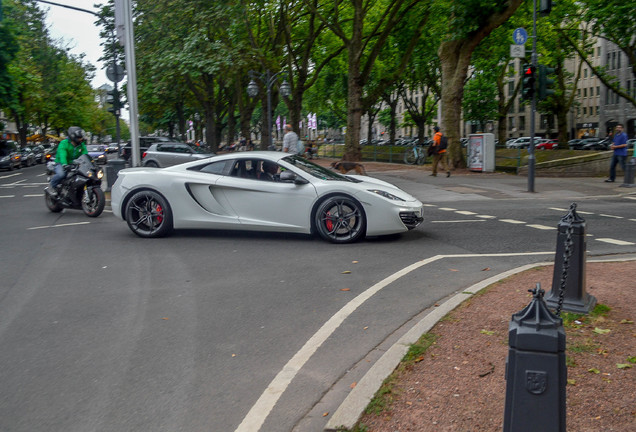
<point x="486" y="217"/>
<point x="612" y="216"/>
<point x="7" y="196"/>
<point x="616" y="242"/>
<point x="631" y="197"/>
<point x="542" y="227"/>
<point x="33" y="195"/>
<point x="58" y="226"/>
<point x="459" y="221"/>
<point x="512" y="221"/>
<point x="465" y="212"/>
<point x="10" y="175"/>
<point x="447" y="209"/>
<point x="429" y="205"/>
<point x="268" y="399"/>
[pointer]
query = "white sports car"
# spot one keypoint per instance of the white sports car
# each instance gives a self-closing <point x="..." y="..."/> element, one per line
<point x="261" y="191"/>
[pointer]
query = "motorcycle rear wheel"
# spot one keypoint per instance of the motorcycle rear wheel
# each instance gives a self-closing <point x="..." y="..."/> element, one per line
<point x="52" y="204"/>
<point x="95" y="205"/>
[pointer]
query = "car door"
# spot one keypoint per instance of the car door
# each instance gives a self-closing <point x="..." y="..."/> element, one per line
<point x="267" y="204"/>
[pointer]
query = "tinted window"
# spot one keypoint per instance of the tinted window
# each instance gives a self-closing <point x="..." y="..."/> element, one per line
<point x="214" y="167"/>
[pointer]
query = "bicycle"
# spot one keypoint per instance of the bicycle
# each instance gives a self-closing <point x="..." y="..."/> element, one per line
<point x="416" y="154"/>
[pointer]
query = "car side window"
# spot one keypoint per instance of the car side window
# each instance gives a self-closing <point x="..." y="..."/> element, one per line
<point x="218" y="167"/>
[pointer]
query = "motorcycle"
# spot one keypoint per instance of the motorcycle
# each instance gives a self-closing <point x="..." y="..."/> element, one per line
<point x="80" y="189"/>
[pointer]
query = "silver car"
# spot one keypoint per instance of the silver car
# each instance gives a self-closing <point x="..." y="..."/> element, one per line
<point x="164" y="154"/>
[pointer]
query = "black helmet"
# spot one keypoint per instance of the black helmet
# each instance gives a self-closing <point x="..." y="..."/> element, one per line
<point x="436" y="128"/>
<point x="75" y="134"/>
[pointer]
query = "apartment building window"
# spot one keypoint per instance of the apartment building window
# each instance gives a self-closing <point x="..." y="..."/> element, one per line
<point x="584" y="72"/>
<point x="511" y="123"/>
<point x="598" y="51"/>
<point x="608" y="97"/>
<point x="584" y="111"/>
<point x="578" y="92"/>
<point x="609" y="56"/>
<point x="614" y="60"/>
<point x="584" y="92"/>
<point x="511" y="87"/>
<point x="598" y="90"/>
<point x="522" y="123"/>
<point x="618" y="60"/>
<point x="597" y="110"/>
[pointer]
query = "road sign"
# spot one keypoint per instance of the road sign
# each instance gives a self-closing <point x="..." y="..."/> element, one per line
<point x="517" y="51"/>
<point x="520" y="36"/>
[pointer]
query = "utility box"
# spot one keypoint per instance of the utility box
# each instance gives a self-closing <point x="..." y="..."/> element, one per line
<point x="481" y="152"/>
<point x="112" y="170"/>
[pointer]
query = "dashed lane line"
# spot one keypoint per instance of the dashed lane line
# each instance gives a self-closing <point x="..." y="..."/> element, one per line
<point x="7" y="196"/>
<point x="541" y="227"/>
<point x="611" y="216"/>
<point x="459" y="221"/>
<point x="58" y="226"/>
<point x="615" y="242"/>
<point x="486" y="216"/>
<point x="512" y="221"/>
<point x="465" y="212"/>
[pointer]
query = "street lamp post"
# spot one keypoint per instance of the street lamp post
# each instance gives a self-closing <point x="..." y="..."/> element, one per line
<point x="268" y="80"/>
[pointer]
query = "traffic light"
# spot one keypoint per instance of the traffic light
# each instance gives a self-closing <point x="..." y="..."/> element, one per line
<point x="112" y="97"/>
<point x="527" y="91"/>
<point x="546" y="85"/>
<point x="545" y="7"/>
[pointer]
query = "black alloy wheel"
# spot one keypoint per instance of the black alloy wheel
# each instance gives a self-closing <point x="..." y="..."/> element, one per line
<point x="340" y="219"/>
<point x="148" y="214"/>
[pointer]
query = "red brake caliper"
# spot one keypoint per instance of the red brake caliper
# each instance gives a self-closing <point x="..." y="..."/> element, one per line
<point x="159" y="214"/>
<point x="329" y="222"/>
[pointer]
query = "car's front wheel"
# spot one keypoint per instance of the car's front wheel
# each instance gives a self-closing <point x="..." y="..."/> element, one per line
<point x="340" y="219"/>
<point x="148" y="214"/>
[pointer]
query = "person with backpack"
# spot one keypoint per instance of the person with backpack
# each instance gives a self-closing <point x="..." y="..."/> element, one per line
<point x="439" y="151"/>
<point x="290" y="140"/>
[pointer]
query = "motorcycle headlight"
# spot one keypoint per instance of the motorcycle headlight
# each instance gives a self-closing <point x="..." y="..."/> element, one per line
<point x="100" y="174"/>
<point x="386" y="195"/>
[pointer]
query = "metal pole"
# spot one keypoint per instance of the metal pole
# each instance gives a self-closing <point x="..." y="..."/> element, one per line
<point x="531" y="159"/>
<point x="131" y="68"/>
<point x="269" y="81"/>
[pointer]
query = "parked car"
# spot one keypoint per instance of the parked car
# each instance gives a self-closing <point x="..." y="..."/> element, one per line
<point x="232" y="192"/>
<point x="10" y="156"/>
<point x="40" y="154"/>
<point x="575" y="144"/>
<point x="164" y="154"/>
<point x="522" y="142"/>
<point x="547" y="145"/>
<point x="144" y="143"/>
<point x="589" y="143"/>
<point x="28" y="157"/>
<point x="97" y="153"/>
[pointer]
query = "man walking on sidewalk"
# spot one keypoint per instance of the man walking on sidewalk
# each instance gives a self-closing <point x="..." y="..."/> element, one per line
<point x="439" y="152"/>
<point x="619" y="145"/>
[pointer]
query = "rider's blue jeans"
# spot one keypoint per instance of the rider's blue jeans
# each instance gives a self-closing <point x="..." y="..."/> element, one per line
<point x="58" y="176"/>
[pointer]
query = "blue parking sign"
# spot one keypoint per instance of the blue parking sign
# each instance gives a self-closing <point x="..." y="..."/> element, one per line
<point x="520" y="36"/>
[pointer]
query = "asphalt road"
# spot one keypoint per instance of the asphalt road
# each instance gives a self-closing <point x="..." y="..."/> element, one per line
<point x="220" y="331"/>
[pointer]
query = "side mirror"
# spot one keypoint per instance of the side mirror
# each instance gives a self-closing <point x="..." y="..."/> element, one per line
<point x="291" y="177"/>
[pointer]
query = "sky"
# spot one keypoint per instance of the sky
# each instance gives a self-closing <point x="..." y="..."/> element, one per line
<point x="79" y="31"/>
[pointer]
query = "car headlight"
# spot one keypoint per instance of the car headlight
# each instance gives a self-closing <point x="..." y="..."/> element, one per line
<point x="386" y="194"/>
<point x="100" y="174"/>
<point x="4" y="159"/>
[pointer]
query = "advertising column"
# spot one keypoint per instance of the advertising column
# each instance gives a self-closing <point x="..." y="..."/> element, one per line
<point x="481" y="152"/>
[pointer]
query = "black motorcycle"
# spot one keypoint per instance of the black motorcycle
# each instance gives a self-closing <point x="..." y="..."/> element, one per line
<point x="80" y="189"/>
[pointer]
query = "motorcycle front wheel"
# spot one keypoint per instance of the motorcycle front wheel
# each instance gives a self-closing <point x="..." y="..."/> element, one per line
<point x="93" y="205"/>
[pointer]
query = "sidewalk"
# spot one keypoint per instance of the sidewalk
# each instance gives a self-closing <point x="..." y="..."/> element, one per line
<point x="458" y="384"/>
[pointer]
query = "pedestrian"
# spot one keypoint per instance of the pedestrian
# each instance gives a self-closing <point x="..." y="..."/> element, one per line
<point x="290" y="140"/>
<point x="619" y="145"/>
<point x="439" y="152"/>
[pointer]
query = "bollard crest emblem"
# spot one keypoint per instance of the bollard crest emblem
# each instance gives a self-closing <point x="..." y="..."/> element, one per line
<point x="536" y="381"/>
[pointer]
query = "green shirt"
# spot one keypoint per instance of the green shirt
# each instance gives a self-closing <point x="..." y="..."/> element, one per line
<point x="67" y="152"/>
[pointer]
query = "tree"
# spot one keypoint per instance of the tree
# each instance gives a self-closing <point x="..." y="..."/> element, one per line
<point x="469" y="23"/>
<point x="480" y="98"/>
<point x="363" y="28"/>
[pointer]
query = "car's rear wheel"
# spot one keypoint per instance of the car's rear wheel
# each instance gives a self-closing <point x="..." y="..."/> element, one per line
<point x="148" y="214"/>
<point x="152" y="164"/>
<point x="340" y="219"/>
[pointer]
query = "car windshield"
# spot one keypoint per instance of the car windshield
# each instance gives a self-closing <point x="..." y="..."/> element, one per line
<point x="315" y="170"/>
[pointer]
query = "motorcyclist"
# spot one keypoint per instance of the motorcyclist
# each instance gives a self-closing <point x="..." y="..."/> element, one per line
<point x="68" y="150"/>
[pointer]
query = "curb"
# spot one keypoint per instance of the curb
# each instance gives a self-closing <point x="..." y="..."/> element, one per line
<point x="352" y="408"/>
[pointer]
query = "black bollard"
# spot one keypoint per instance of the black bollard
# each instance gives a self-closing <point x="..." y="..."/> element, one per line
<point x="630" y="169"/>
<point x="569" y="267"/>
<point x="536" y="374"/>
